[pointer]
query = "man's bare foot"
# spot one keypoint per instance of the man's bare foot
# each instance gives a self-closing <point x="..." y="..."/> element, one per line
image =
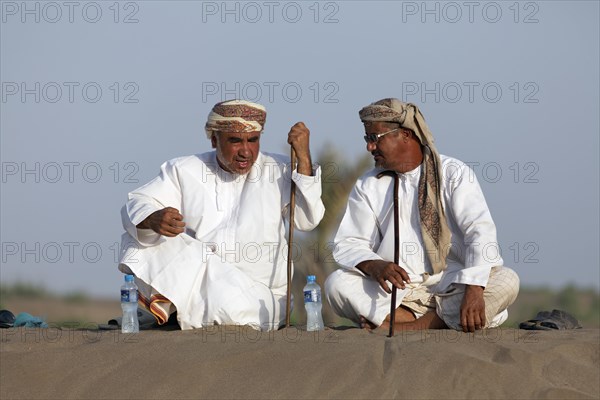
<point x="428" y="321"/>
<point x="402" y="315"/>
<point x="366" y="324"/>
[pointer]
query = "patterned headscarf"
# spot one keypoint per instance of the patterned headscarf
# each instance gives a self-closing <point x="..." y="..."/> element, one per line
<point x="434" y="227"/>
<point x="236" y="116"/>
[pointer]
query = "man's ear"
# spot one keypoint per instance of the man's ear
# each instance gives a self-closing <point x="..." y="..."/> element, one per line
<point x="213" y="140"/>
<point x="406" y="133"/>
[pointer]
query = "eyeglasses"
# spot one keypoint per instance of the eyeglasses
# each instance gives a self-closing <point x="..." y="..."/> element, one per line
<point x="374" y="137"/>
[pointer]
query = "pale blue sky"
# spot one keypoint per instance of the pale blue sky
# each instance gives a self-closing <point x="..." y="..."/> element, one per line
<point x="511" y="87"/>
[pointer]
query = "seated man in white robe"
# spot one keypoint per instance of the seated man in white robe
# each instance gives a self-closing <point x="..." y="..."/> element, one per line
<point x="449" y="271"/>
<point x="206" y="238"/>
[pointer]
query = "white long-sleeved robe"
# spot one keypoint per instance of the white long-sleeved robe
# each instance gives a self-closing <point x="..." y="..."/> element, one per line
<point x="230" y="264"/>
<point x="367" y="231"/>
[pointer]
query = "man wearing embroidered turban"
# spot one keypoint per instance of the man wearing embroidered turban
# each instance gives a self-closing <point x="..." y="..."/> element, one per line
<point x="206" y="238"/>
<point x="449" y="271"/>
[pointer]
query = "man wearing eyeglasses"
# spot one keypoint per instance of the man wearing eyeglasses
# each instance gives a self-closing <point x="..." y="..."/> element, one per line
<point x="449" y="272"/>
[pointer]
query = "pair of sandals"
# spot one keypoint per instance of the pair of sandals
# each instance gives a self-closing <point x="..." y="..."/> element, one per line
<point x="8" y="320"/>
<point x="551" y="320"/>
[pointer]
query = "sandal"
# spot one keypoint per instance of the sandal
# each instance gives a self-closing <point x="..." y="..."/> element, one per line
<point x="547" y="321"/>
<point x="7" y="319"/>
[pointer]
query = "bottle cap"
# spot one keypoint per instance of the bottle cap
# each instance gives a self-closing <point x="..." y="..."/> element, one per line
<point x="128" y="278"/>
<point x="311" y="278"/>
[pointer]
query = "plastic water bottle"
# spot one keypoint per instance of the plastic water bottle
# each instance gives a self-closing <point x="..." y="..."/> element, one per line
<point x="129" y="300"/>
<point x="313" y="305"/>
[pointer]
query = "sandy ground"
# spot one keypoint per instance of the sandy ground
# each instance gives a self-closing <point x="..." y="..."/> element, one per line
<point x="238" y="362"/>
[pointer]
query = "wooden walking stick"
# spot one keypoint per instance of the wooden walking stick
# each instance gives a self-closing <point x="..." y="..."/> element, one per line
<point x="290" y="239"/>
<point x="394" y="176"/>
<point x="396" y="254"/>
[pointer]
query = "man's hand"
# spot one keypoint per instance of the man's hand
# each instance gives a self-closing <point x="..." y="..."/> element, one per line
<point x="472" y="309"/>
<point x="383" y="271"/>
<point x="167" y="222"/>
<point x="298" y="138"/>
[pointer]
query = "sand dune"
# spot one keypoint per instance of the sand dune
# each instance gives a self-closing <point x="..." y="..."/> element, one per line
<point x="237" y="362"/>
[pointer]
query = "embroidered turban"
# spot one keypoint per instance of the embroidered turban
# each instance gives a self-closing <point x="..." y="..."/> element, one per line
<point x="236" y="116"/>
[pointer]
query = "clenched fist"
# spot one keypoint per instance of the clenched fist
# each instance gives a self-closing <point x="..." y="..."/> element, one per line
<point x="167" y="222"/>
<point x="298" y="138"/>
